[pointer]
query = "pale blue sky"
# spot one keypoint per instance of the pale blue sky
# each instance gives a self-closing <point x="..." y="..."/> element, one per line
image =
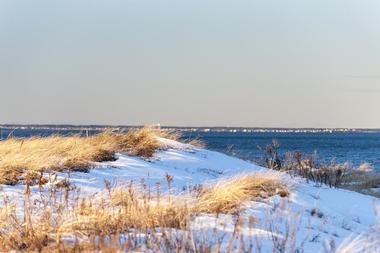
<point x="283" y="63"/>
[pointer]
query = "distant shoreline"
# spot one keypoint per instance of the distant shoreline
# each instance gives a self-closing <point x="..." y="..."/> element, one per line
<point x="194" y="129"/>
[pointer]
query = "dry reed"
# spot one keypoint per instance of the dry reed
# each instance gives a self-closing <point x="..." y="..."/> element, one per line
<point x="130" y="212"/>
<point x="22" y="156"/>
<point x="227" y="196"/>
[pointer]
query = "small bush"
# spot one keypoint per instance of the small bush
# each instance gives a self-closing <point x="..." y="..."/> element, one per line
<point x="362" y="179"/>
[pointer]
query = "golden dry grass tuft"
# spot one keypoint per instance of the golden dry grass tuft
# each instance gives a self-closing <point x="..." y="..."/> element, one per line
<point x="90" y="218"/>
<point x="131" y="212"/>
<point x="22" y="156"/>
<point x="227" y="196"/>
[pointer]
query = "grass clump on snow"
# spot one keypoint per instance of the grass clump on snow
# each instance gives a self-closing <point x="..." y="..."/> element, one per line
<point x="126" y="218"/>
<point x="21" y="156"/>
<point x="228" y="195"/>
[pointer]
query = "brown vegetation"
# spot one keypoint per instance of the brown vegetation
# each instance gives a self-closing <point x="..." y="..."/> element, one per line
<point x="22" y="156"/>
<point x="333" y="174"/>
<point x="145" y="220"/>
<point x="227" y="196"/>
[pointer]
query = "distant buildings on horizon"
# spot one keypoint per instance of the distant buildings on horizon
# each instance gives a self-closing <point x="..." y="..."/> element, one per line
<point x="192" y="129"/>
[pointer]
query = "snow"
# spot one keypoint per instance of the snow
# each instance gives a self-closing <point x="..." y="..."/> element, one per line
<point x="340" y="214"/>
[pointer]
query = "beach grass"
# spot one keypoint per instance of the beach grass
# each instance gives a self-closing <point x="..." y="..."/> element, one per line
<point x="21" y="157"/>
<point x="155" y="222"/>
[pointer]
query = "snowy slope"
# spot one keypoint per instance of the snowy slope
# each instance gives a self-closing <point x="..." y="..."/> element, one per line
<point x="338" y="214"/>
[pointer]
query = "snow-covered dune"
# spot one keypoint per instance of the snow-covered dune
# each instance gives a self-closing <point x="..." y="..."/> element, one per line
<point x="314" y="216"/>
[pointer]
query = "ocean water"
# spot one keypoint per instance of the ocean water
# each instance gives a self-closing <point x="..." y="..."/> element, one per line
<point x="354" y="147"/>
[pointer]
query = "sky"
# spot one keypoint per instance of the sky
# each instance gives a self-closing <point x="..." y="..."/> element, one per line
<point x="268" y="63"/>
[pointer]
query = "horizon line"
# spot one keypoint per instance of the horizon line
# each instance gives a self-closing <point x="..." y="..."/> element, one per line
<point x="181" y="126"/>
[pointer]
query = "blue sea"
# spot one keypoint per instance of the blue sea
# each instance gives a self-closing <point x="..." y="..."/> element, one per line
<point x="353" y="146"/>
